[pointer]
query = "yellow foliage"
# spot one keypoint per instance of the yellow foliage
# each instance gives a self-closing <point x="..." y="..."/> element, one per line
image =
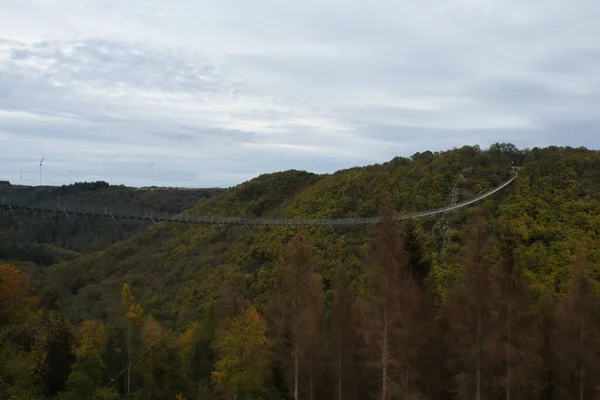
<point x="151" y="331"/>
<point x="244" y="353"/>
<point x="126" y="295"/>
<point x="16" y="300"/>
<point x="93" y="337"/>
<point x="135" y="313"/>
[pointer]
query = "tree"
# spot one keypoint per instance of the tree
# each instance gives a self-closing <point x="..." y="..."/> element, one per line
<point x="23" y="339"/>
<point x="16" y="298"/>
<point x="243" y="351"/>
<point x="394" y="303"/>
<point x="196" y="356"/>
<point x="159" y="373"/>
<point x="86" y="373"/>
<point x="515" y="317"/>
<point x="345" y="334"/>
<point x="471" y="312"/>
<point x="151" y="333"/>
<point x="412" y="244"/>
<point x="545" y="347"/>
<point x="578" y="335"/>
<point x="133" y="316"/>
<point x="297" y="315"/>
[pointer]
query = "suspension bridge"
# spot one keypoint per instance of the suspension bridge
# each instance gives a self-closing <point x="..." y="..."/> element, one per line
<point x="12" y="204"/>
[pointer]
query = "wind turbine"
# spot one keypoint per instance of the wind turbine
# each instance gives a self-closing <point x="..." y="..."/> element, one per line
<point x="21" y="176"/>
<point x="152" y="166"/>
<point x="41" y="164"/>
<point x="70" y="176"/>
<point x="117" y="166"/>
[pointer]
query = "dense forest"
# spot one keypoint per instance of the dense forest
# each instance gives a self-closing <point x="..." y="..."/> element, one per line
<point x="498" y="300"/>
<point x="47" y="239"/>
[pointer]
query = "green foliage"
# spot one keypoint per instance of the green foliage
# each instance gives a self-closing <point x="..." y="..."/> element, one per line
<point x="86" y="373"/>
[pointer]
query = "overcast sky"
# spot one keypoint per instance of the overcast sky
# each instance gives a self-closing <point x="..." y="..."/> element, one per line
<point x="217" y="92"/>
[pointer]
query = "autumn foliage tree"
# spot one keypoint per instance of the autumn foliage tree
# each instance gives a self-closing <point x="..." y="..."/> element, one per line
<point x="160" y="374"/>
<point x="86" y="373"/>
<point x="243" y="355"/>
<point x="16" y="297"/>
<point x="22" y="337"/>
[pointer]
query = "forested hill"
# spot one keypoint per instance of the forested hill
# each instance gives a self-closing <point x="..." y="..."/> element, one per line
<point x="47" y="239"/>
<point x="494" y="300"/>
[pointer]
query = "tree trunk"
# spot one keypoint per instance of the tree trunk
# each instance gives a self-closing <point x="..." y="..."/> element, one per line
<point x="508" y="359"/>
<point x="478" y="388"/>
<point x="296" y="366"/>
<point x="581" y="359"/>
<point x="128" y="389"/>
<point x="384" y="346"/>
<point x="128" y="375"/>
<point x="151" y="374"/>
<point x="340" y="367"/>
<point x="311" y="382"/>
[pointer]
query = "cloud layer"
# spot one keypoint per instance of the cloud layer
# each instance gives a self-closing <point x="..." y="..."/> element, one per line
<point x="214" y="93"/>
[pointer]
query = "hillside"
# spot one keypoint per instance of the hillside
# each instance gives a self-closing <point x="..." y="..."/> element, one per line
<point x="47" y="239"/>
<point x="532" y="229"/>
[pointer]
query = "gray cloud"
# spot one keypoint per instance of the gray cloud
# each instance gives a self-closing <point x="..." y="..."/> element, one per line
<point x="228" y="90"/>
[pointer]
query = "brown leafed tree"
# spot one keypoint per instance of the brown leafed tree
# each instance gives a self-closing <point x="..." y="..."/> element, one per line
<point x="345" y="338"/>
<point x="578" y="335"/>
<point x="393" y="307"/>
<point x="471" y="312"/>
<point x="297" y="317"/>
<point x="545" y="348"/>
<point x="516" y="363"/>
